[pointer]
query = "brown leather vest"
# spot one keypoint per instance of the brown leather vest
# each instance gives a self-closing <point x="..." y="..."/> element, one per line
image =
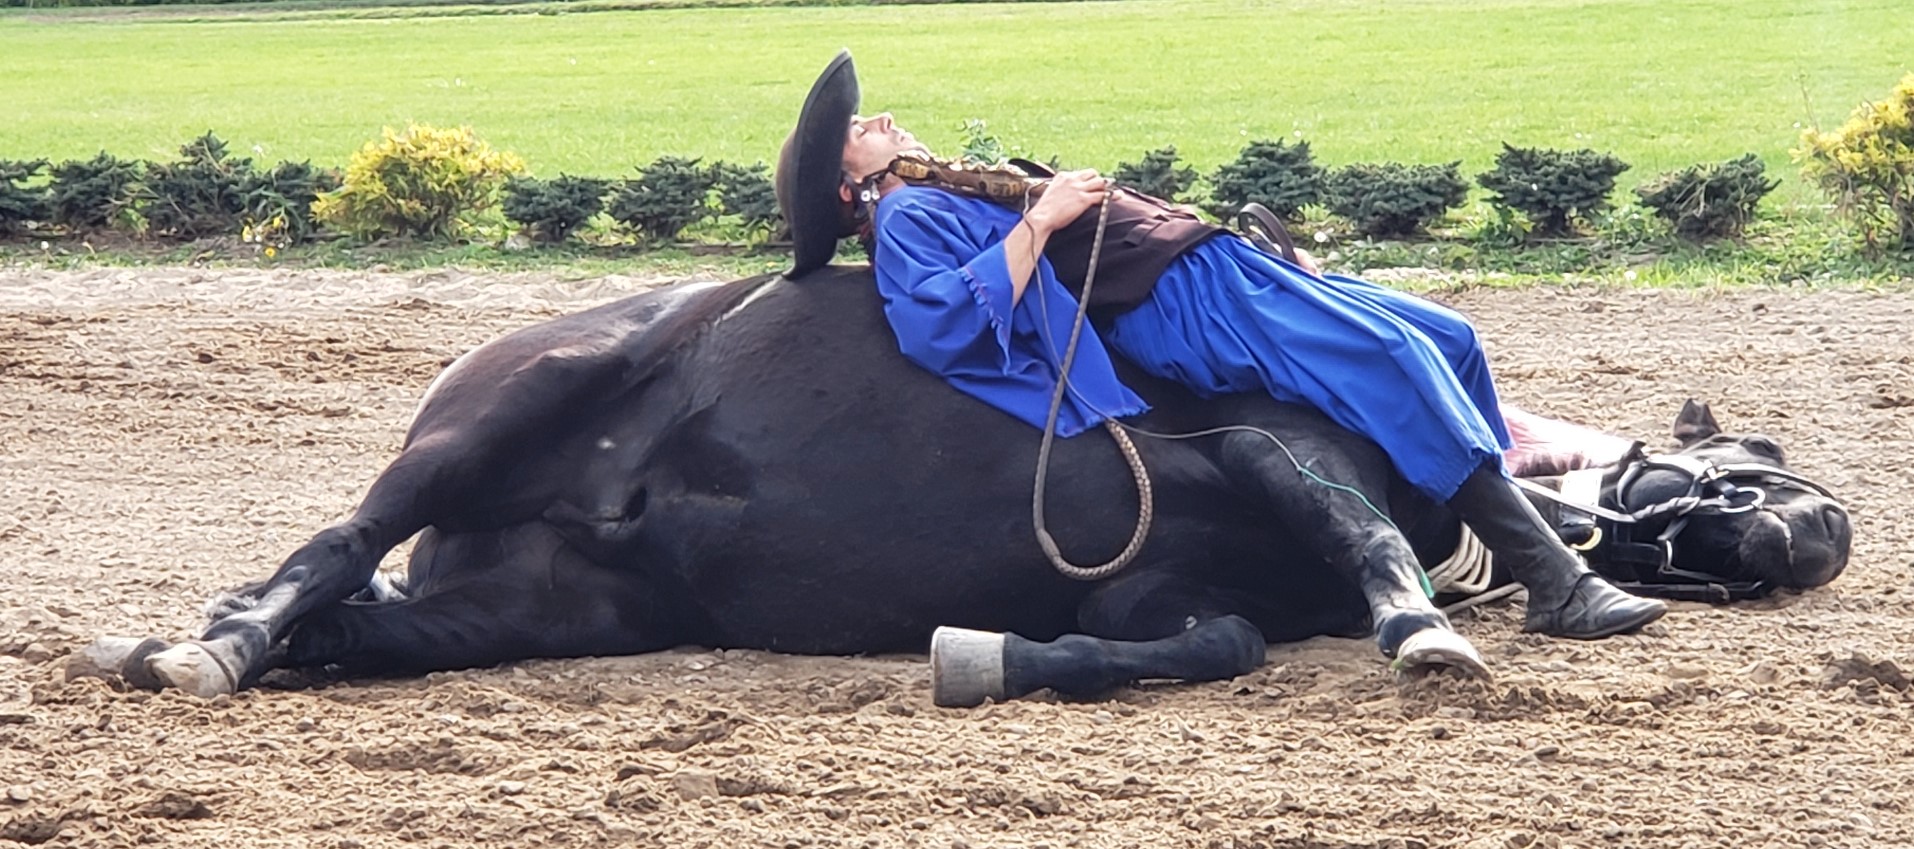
<point x="1141" y="238"/>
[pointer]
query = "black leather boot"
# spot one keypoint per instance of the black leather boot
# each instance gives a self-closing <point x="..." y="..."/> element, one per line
<point x="1565" y="598"/>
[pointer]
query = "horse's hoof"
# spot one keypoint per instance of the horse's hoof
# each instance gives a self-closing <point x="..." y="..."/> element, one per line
<point x="102" y="659"/>
<point x="966" y="667"/>
<point x="1431" y="648"/>
<point x="191" y="667"/>
<point x="135" y="669"/>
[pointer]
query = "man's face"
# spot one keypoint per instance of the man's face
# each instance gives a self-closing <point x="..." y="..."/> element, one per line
<point x="873" y="142"/>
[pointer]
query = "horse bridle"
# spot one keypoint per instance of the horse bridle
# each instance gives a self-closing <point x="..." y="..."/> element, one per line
<point x="1607" y="533"/>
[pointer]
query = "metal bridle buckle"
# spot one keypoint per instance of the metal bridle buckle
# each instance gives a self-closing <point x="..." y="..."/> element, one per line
<point x="1755" y="496"/>
<point x="1594" y="540"/>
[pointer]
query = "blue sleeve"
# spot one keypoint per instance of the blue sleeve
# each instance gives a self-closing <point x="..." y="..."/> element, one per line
<point x="946" y="287"/>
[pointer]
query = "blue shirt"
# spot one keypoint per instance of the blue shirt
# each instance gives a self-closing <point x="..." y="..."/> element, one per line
<point x="946" y="285"/>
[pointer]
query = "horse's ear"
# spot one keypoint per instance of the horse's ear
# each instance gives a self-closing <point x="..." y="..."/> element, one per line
<point x="1694" y="423"/>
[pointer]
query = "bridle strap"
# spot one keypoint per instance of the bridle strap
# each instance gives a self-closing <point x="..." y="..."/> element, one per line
<point x="1613" y="539"/>
<point x="1731" y="471"/>
<point x="1709" y="593"/>
<point x="1572" y="503"/>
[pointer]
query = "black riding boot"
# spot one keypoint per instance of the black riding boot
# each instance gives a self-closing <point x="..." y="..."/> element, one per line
<point x="1565" y="598"/>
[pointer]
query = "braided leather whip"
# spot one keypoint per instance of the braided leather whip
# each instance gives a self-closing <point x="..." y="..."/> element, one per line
<point x="1146" y="498"/>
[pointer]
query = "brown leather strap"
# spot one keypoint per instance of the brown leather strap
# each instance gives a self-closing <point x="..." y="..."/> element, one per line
<point x="1266" y="231"/>
<point x="1033" y="168"/>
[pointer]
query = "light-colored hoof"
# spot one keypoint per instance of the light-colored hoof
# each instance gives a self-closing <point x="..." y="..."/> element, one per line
<point x="102" y="659"/>
<point x="190" y="667"/>
<point x="966" y="667"/>
<point x="382" y="589"/>
<point x="1432" y="648"/>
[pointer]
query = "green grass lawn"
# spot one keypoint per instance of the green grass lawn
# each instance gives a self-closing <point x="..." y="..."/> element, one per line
<point x="1661" y="84"/>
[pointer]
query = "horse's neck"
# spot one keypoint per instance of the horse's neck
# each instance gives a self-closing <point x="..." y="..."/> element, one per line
<point x="1545" y="446"/>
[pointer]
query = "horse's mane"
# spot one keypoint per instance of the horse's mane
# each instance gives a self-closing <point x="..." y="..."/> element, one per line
<point x="684" y="325"/>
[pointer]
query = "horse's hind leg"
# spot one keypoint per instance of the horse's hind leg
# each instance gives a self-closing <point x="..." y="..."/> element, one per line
<point x="509" y="595"/>
<point x="468" y="459"/>
<point x="339" y="561"/>
<point x="234" y="649"/>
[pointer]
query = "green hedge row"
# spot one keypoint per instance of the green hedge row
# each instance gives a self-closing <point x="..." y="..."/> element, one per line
<point x="1547" y="191"/>
<point x="433" y="183"/>
<point x="423" y="182"/>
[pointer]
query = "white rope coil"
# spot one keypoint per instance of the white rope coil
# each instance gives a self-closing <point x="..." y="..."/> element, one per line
<point x="1467" y="571"/>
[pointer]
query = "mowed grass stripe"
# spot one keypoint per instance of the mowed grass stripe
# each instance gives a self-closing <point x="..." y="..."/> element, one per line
<point x="1662" y="85"/>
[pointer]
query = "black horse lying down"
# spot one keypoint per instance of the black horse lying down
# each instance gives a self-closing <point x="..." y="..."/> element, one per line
<point x="753" y="465"/>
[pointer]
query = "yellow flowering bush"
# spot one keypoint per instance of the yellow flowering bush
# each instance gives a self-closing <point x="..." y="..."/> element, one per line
<point x="424" y="181"/>
<point x="1867" y="165"/>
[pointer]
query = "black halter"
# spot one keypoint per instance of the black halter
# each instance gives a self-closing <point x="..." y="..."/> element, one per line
<point x="1620" y="542"/>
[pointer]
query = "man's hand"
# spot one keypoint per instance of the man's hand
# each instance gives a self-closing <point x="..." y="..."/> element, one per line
<point x="1065" y="197"/>
<point x="1308" y="262"/>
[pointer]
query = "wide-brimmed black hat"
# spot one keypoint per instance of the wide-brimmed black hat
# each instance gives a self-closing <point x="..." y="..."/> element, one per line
<point x="811" y="169"/>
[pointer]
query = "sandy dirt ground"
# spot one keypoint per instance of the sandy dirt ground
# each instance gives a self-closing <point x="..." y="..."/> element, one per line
<point x="167" y="433"/>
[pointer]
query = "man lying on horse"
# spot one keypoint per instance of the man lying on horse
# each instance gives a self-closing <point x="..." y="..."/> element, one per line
<point x="982" y="291"/>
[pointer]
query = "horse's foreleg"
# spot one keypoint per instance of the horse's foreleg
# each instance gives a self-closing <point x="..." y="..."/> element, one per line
<point x="1347" y="524"/>
<point x="1154" y="622"/>
<point x="969" y="667"/>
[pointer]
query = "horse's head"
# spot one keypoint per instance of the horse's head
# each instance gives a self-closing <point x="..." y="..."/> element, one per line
<point x="1721" y="509"/>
